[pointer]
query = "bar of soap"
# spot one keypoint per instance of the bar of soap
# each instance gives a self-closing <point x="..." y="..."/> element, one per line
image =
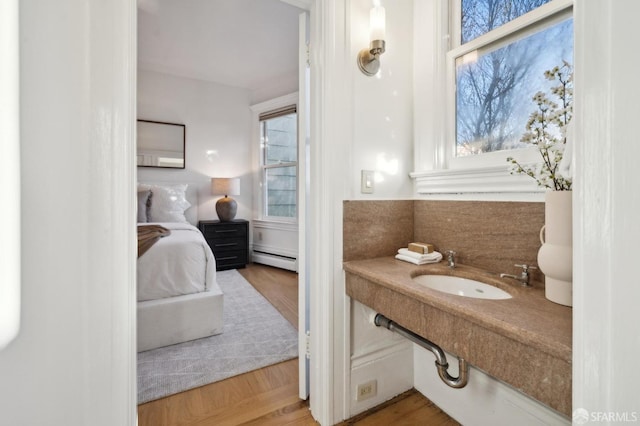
<point x="422" y="248"/>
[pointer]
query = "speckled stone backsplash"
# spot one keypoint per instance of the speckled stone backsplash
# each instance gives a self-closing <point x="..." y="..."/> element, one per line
<point x="486" y="234"/>
<point x="376" y="228"/>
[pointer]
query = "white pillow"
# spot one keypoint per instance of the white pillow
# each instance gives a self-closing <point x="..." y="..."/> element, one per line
<point x="168" y="202"/>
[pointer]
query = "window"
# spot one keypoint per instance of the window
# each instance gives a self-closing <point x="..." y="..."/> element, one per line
<point x="279" y="152"/>
<point x="478" y="17"/>
<point x="480" y="89"/>
<point x="499" y="66"/>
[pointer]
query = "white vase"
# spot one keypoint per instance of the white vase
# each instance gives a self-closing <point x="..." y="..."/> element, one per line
<point x="555" y="257"/>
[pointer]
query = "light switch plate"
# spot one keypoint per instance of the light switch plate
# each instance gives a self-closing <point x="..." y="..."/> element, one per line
<point x="367" y="182"/>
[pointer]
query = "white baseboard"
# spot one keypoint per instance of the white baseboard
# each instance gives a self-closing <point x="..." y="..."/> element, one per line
<point x="275" y="260"/>
<point x="390" y="367"/>
<point x="484" y="401"/>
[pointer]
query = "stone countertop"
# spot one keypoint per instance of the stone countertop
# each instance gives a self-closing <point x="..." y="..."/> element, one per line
<point x="528" y="317"/>
<point x="524" y="341"/>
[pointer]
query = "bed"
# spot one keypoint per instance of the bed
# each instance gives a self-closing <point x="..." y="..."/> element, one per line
<point x="178" y="296"/>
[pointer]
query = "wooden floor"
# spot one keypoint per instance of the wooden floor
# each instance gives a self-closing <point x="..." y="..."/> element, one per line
<point x="408" y="409"/>
<point x="269" y="396"/>
<point x="278" y="286"/>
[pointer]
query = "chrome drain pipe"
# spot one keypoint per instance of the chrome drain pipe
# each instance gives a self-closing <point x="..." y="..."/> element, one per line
<point x="441" y="359"/>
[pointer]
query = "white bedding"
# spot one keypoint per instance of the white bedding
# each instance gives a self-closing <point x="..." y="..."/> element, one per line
<point x="179" y="264"/>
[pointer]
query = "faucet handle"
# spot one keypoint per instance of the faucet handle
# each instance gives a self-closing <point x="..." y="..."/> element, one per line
<point x="450" y="252"/>
<point x="525" y="267"/>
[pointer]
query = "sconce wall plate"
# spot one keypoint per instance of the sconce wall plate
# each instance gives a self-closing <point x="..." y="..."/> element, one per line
<point x="369" y="59"/>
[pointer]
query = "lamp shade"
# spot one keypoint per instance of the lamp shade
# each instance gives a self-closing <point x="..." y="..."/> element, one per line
<point x="225" y="186"/>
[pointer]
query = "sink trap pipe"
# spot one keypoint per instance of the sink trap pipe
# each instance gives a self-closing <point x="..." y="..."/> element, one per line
<point x="441" y="359"/>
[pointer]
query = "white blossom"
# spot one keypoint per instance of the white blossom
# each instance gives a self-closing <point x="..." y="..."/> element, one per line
<point x="546" y="129"/>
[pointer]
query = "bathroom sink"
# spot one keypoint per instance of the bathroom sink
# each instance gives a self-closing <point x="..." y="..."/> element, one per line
<point x="462" y="287"/>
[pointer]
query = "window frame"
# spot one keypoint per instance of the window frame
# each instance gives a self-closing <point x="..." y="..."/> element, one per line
<point x="260" y="195"/>
<point x="438" y="170"/>
<point x="266" y="167"/>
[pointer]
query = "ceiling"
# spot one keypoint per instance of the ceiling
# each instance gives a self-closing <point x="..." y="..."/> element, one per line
<point x="241" y="43"/>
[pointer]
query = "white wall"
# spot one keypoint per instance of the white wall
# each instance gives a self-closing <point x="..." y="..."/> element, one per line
<point x="382" y="142"/>
<point x="218" y="134"/>
<point x="73" y="360"/>
<point x="606" y="342"/>
<point x="383" y="104"/>
<point x="9" y="172"/>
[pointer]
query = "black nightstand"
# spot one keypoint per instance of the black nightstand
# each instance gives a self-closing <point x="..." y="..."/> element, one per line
<point x="229" y="242"/>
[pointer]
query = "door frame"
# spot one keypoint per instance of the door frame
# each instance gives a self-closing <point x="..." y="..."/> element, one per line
<point x="330" y="151"/>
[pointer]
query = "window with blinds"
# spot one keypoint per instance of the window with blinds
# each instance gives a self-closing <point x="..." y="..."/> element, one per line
<point x="279" y="153"/>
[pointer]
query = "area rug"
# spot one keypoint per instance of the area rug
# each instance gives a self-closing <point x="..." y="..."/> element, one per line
<point x="255" y="335"/>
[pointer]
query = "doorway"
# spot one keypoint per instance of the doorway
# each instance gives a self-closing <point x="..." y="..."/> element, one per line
<point x="156" y="97"/>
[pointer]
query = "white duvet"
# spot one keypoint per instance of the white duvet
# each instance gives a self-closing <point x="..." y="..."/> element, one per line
<point x="179" y="264"/>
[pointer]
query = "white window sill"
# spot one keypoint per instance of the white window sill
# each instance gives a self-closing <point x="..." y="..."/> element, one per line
<point x="495" y="179"/>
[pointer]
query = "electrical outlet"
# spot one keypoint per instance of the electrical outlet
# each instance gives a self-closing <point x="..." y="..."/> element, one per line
<point x="367" y="390"/>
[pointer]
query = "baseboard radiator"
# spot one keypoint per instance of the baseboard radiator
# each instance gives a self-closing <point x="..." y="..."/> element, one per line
<point x="276" y="260"/>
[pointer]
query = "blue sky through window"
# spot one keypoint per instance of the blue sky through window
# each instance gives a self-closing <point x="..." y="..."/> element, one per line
<point x="494" y="91"/>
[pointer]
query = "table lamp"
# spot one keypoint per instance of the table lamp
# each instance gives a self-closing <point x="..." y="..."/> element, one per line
<point x="226" y="207"/>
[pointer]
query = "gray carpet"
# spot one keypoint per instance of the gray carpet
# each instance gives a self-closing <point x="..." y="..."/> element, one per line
<point x="255" y="335"/>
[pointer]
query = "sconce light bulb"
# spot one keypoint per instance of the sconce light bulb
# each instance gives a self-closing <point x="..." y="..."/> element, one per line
<point x="377" y="25"/>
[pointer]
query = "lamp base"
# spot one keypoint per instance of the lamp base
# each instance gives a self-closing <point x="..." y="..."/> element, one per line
<point x="226" y="208"/>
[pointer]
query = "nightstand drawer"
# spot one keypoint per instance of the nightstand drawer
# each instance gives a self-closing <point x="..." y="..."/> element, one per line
<point x="227" y="244"/>
<point x="231" y="259"/>
<point x="223" y="231"/>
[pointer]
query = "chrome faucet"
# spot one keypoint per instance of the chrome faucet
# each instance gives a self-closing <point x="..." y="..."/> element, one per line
<point x="523" y="277"/>
<point x="451" y="259"/>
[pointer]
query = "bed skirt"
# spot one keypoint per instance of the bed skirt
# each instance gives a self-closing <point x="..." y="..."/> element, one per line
<point x="178" y="319"/>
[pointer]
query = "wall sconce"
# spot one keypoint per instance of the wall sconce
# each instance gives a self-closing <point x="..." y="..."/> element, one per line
<point x="226" y="207"/>
<point x="369" y="58"/>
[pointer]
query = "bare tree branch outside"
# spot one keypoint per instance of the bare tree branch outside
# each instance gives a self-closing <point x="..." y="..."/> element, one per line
<point x="493" y="92"/>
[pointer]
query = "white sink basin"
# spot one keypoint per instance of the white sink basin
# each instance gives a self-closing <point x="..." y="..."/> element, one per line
<point x="462" y="287"/>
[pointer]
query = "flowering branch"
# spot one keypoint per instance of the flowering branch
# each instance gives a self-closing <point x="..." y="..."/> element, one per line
<point x="546" y="129"/>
